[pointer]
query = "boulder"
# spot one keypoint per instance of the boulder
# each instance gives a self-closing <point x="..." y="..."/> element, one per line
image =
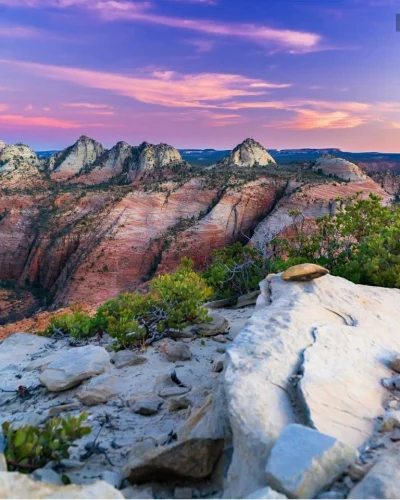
<point x="304" y="272"/>
<point x="383" y="479"/>
<point x="98" y="390"/>
<point x="218" y="364"/>
<point x="74" y="366"/>
<point x="221" y="339"/>
<point x="16" y="485"/>
<point x="249" y="299"/>
<point x="124" y="358"/>
<point x="218" y="325"/>
<point x="395" y="364"/>
<point x="146" y="404"/>
<point x="304" y="461"/>
<point x="179" y="403"/>
<point x="41" y="363"/>
<point x="191" y="459"/>
<point x="266" y="492"/>
<point x="56" y="410"/>
<point x="139" y="492"/>
<point x="392" y="383"/>
<point x="312" y="353"/>
<point x="390" y="420"/>
<point x="47" y="476"/>
<point x="176" y="351"/>
<point x="217" y="304"/>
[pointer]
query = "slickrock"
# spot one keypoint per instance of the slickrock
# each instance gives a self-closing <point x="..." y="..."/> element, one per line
<point x="304" y="461"/>
<point x="383" y="480"/>
<point x="74" y="366"/>
<point x="313" y="200"/>
<point x="249" y="153"/>
<point x="16" y="485"/>
<point x="338" y="167"/>
<point x="17" y="347"/>
<point x="71" y="161"/>
<point x="312" y="354"/>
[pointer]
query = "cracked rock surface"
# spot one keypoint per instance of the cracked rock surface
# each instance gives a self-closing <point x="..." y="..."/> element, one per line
<point x="315" y="356"/>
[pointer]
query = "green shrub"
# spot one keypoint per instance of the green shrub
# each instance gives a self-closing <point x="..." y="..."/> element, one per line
<point x="235" y="270"/>
<point x="174" y="302"/>
<point x="77" y="324"/>
<point x="29" y="448"/>
<point x="360" y="243"/>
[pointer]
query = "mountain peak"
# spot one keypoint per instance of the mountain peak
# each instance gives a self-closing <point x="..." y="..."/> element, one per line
<point x="2" y="145"/>
<point x="83" y="154"/>
<point x="248" y="153"/>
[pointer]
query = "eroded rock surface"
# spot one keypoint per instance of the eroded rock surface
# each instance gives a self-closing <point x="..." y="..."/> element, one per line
<point x="312" y="356"/>
<point x="249" y="153"/>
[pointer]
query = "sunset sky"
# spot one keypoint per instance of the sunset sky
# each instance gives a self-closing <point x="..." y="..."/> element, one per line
<point x="201" y="73"/>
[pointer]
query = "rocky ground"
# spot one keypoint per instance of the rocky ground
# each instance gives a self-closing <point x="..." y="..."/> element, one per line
<point x="131" y="397"/>
<point x="297" y="397"/>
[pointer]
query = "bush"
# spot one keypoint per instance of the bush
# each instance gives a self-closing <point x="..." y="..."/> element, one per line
<point x="77" y="324"/>
<point x="29" y="448"/>
<point x="361" y="243"/>
<point x="235" y="270"/>
<point x="174" y="302"/>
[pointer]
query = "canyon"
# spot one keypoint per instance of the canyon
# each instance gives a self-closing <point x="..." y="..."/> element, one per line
<point x="88" y="223"/>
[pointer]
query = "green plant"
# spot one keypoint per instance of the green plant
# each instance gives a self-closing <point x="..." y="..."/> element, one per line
<point x="77" y="324"/>
<point x="29" y="448"/>
<point x="174" y="302"/>
<point x="360" y="243"/>
<point x="235" y="270"/>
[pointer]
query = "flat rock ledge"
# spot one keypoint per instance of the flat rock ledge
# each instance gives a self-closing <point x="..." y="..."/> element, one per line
<point x="313" y="353"/>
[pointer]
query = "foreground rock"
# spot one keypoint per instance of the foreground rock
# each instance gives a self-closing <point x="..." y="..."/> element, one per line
<point x="304" y="272"/>
<point x="383" y="480"/>
<point x="304" y="461"/>
<point x="16" y="485"/>
<point x="313" y="355"/>
<point x="216" y="326"/>
<point x="74" y="366"/>
<point x="16" y="348"/>
<point x="191" y="459"/>
<point x="98" y="390"/>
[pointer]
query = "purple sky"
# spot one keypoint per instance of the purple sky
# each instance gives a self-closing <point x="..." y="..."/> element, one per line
<point x="201" y="73"/>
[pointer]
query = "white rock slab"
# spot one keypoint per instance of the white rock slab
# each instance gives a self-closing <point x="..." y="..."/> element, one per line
<point x="74" y="366"/>
<point x="347" y="335"/>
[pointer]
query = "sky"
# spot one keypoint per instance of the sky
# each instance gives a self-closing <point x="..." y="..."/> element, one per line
<point x="201" y="73"/>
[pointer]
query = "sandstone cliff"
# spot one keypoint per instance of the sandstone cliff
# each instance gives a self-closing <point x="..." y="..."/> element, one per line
<point x="71" y="161"/>
<point x="249" y="153"/>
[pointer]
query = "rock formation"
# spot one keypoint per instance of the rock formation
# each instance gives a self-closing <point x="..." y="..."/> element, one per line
<point x="338" y="167"/>
<point x="19" y="167"/>
<point x="249" y="153"/>
<point x="310" y="355"/>
<point x="73" y="160"/>
<point x="2" y="145"/>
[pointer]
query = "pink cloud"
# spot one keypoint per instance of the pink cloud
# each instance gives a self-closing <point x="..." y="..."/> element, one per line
<point x="36" y="121"/>
<point x="85" y="105"/>
<point x="165" y="88"/>
<point x="310" y="119"/>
